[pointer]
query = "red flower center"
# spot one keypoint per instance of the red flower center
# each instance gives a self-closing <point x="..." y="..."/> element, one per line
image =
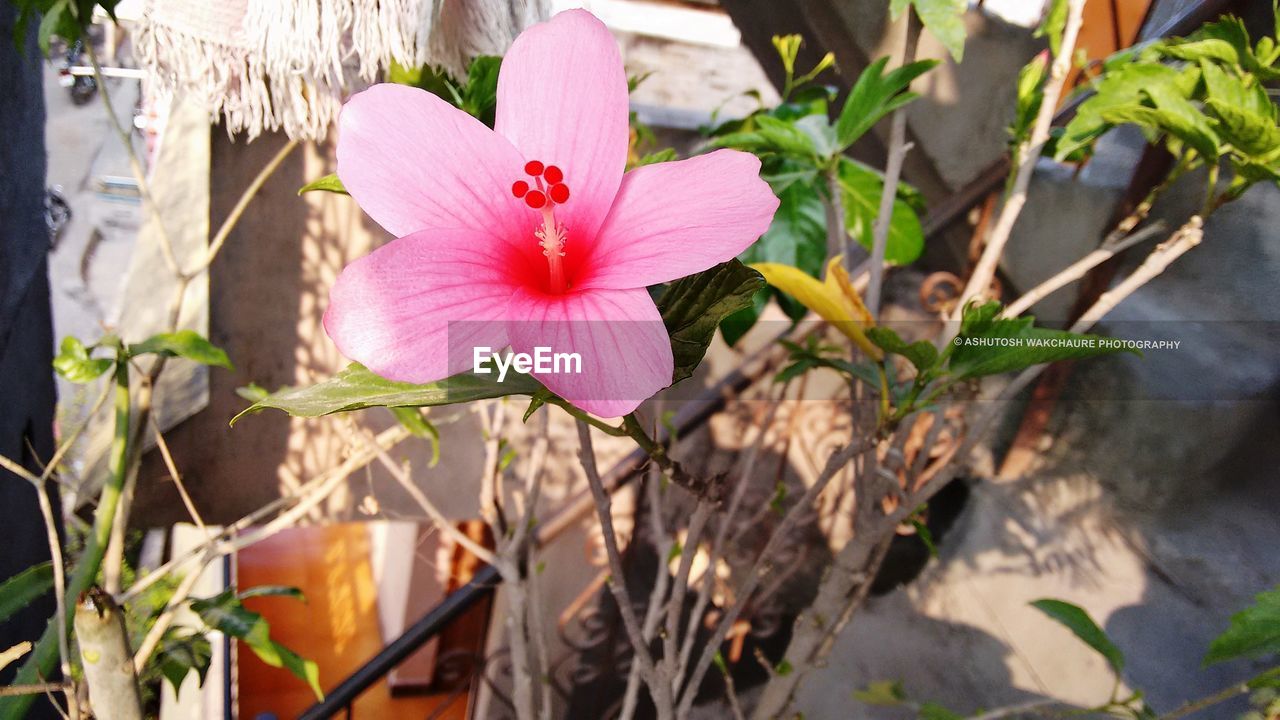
<point x="551" y="236"/>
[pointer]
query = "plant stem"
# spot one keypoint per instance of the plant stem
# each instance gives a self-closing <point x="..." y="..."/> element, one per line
<point x="898" y="149"/>
<point x="42" y="660"/>
<point x="833" y="209"/>
<point x="1028" y="154"/>
<point x="658" y="688"/>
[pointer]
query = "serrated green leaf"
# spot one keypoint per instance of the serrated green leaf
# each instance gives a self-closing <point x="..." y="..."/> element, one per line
<point x="357" y="387"/>
<point x="990" y="346"/>
<point x="184" y="343"/>
<point x="693" y="307"/>
<point x="1075" y="619"/>
<point x="20" y="590"/>
<point x="945" y="19"/>
<point x="922" y="354"/>
<point x="74" y="363"/>
<point x="1254" y="631"/>
<point x="861" y="188"/>
<point x="328" y="183"/>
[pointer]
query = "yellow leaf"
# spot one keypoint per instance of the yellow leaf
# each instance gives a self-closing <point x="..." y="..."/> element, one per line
<point x="833" y="299"/>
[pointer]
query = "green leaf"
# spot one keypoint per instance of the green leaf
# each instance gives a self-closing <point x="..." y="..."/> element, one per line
<point x="184" y="343"/>
<point x="884" y="693"/>
<point x="784" y="668"/>
<point x="861" y="188"/>
<point x="1030" y="95"/>
<point x="1054" y="24"/>
<point x="925" y="536"/>
<point x="661" y="156"/>
<point x="1254" y="631"/>
<point x="922" y="354"/>
<point x="328" y="183"/>
<point x="480" y="95"/>
<point x="224" y="613"/>
<point x="20" y="590"/>
<point x="1254" y="135"/>
<point x="74" y="363"/>
<point x="1121" y="86"/>
<point x="1075" y="619"/>
<point x="945" y="19"/>
<point x="988" y="346"/>
<point x="272" y="591"/>
<point x="180" y="653"/>
<point x="357" y="387"/>
<point x="415" y="422"/>
<point x="875" y="95"/>
<point x="693" y="307"/>
<point x="1207" y="49"/>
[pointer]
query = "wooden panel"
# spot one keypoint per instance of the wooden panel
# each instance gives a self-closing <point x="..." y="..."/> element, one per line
<point x="337" y="627"/>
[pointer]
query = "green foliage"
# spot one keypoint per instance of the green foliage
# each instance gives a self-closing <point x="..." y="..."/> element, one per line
<point x="477" y="95"/>
<point x="1203" y="96"/>
<point x="989" y="345"/>
<point x="1075" y="619"/>
<point x="67" y="19"/>
<point x="20" y="590"/>
<point x="693" y="307"/>
<point x="921" y="353"/>
<point x="180" y="652"/>
<point x="815" y="354"/>
<point x="183" y="343"/>
<point x="328" y="183"/>
<point x="357" y="387"/>
<point x="861" y="188"/>
<point x="802" y="158"/>
<point x="1054" y="24"/>
<point x="1031" y="81"/>
<point x="1254" y="631"/>
<point x="943" y="18"/>
<point x="75" y="362"/>
<point x="875" y="95"/>
<point x="225" y="612"/>
<point x="415" y="422"/>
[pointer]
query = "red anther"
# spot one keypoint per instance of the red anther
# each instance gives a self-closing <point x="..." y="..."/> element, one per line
<point x="553" y="174"/>
<point x="519" y="188"/>
<point x="533" y="167"/>
<point x="558" y="192"/>
<point x="535" y="199"/>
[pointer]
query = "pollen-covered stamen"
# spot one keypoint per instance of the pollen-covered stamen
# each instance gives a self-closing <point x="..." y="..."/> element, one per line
<point x="552" y="236"/>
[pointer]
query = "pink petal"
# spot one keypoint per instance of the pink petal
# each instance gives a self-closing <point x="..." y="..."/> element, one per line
<point x="412" y="309"/>
<point x="414" y="162"/>
<point x="624" y="349"/>
<point x="562" y="100"/>
<point x="677" y="218"/>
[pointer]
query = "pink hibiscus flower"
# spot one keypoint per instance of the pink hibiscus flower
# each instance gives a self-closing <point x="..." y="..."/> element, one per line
<point x="531" y="235"/>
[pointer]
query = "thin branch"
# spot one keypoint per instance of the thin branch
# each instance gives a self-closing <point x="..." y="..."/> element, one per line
<point x="662" y="579"/>
<point x="59" y="570"/>
<point x="177" y="477"/>
<point x="1196" y="706"/>
<point x="1078" y="270"/>
<point x="898" y="149"/>
<point x="165" y="619"/>
<point x="1028" y="154"/>
<point x="660" y="690"/>
<point x="35" y="689"/>
<point x="229" y="224"/>
<point x="293" y="506"/>
<point x="675" y="607"/>
<point x="1182" y="240"/>
<point x="762" y="567"/>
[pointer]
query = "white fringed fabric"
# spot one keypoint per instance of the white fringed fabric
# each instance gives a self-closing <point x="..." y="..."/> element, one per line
<point x="288" y="64"/>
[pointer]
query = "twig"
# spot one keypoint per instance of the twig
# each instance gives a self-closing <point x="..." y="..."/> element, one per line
<point x="662" y="579"/>
<point x="59" y="571"/>
<point x="1182" y="240"/>
<point x="1028" y="154"/>
<point x="898" y="149"/>
<point x="675" y="607"/>
<point x="1078" y="270"/>
<point x="177" y="477"/>
<point x="229" y="224"/>
<point x="762" y="567"/>
<point x="660" y="690"/>
<point x="1195" y="706"/>
<point x="306" y="497"/>
<point x="165" y="619"/>
<point x="34" y="689"/>
<point x="833" y="209"/>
